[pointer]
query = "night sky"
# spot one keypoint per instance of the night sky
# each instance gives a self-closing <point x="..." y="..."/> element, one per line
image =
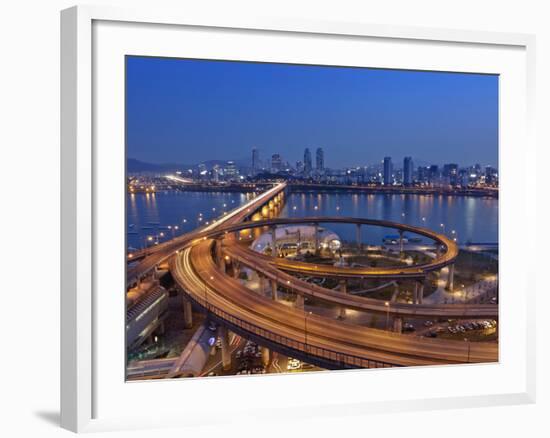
<point x="188" y="111"/>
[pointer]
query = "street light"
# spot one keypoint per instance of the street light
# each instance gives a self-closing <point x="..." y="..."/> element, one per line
<point x="387" y="304"/>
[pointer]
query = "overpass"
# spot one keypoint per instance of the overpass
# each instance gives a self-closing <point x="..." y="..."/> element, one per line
<point x="197" y="263"/>
<point x="163" y="251"/>
<point x="319" y="340"/>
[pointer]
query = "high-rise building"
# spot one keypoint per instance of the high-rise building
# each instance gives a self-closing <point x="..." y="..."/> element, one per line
<point x="276" y="163"/>
<point x="388" y="170"/>
<point x="255" y="161"/>
<point x="230" y="170"/>
<point x="320" y="160"/>
<point x="433" y="174"/>
<point x="215" y="173"/>
<point x="491" y="175"/>
<point x="423" y="174"/>
<point x="450" y="173"/>
<point x="307" y="162"/>
<point x="407" y="171"/>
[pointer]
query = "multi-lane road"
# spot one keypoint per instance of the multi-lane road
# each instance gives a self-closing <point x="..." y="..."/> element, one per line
<point x="195" y="269"/>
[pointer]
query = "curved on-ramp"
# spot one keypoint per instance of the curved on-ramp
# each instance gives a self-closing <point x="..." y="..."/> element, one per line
<point x="195" y="270"/>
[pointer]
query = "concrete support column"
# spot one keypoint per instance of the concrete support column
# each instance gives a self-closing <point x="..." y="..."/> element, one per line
<point x="187" y="313"/>
<point x="451" y="278"/>
<point x="299" y="301"/>
<point x="415" y="293"/>
<point x="273" y="241"/>
<point x="219" y="255"/>
<point x="235" y="269"/>
<point x="398" y="324"/>
<point x="420" y="295"/>
<point x="400" y="241"/>
<point x="343" y="286"/>
<point x="358" y="236"/>
<point x="265" y="356"/>
<point x="395" y="293"/>
<point x="226" y="353"/>
<point x="316" y="238"/>
<point x="437" y="250"/>
<point x="262" y="283"/>
<point x="274" y="293"/>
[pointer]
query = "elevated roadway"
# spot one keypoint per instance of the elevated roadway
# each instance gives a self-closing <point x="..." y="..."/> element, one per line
<point x="270" y="268"/>
<point x="162" y="252"/>
<point x="321" y="339"/>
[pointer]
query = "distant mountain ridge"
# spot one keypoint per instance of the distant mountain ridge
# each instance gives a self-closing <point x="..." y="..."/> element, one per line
<point x="136" y="166"/>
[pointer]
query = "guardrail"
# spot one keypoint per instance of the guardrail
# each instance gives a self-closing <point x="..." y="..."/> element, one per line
<point x="340" y="359"/>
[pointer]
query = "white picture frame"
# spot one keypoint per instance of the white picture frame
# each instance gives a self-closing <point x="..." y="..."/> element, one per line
<point x="82" y="369"/>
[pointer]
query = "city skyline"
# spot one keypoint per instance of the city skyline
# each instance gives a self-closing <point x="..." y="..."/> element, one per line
<point x="189" y="111"/>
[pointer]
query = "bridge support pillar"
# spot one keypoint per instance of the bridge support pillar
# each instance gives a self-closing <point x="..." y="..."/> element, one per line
<point x="316" y="238"/>
<point x="261" y="285"/>
<point x="219" y="255"/>
<point x="400" y="241"/>
<point x="451" y="278"/>
<point x="235" y="269"/>
<point x="265" y="356"/>
<point x="395" y="293"/>
<point x="420" y="294"/>
<point x="187" y="313"/>
<point x="226" y="353"/>
<point x="415" y="293"/>
<point x="358" y="236"/>
<point x="274" y="293"/>
<point x="437" y="250"/>
<point x="299" y="301"/>
<point x="273" y="230"/>
<point x="398" y="324"/>
<point x="343" y="286"/>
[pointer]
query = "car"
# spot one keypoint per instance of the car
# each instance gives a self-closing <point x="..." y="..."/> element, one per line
<point x="407" y="327"/>
<point x="431" y="334"/>
<point x="428" y="323"/>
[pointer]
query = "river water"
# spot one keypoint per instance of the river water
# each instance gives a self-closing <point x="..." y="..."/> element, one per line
<point x="469" y="219"/>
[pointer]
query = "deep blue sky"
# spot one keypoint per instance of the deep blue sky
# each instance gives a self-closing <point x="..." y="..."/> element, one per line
<point x="188" y="111"/>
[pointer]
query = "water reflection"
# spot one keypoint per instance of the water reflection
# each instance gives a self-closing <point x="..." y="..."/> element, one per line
<point x="473" y="219"/>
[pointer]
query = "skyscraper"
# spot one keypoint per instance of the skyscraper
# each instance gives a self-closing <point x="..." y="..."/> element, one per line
<point x="231" y="171"/>
<point x="450" y="172"/>
<point x="320" y="160"/>
<point x="276" y="163"/>
<point x="388" y="169"/>
<point x="407" y="171"/>
<point x="255" y="161"/>
<point x="307" y="162"/>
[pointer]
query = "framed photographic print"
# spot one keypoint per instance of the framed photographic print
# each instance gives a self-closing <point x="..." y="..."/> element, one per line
<point x="255" y="205"/>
